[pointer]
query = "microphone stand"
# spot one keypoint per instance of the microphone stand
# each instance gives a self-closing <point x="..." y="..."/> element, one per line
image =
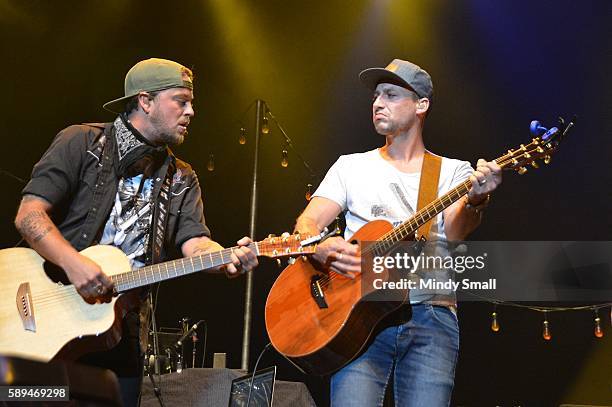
<point x="248" y="295"/>
<point x="156" y="369"/>
<point x="261" y="111"/>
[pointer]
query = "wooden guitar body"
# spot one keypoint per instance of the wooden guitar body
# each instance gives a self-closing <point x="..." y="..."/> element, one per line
<point x="318" y="337"/>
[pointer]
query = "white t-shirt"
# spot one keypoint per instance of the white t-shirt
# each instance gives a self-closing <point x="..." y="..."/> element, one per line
<point x="367" y="188"/>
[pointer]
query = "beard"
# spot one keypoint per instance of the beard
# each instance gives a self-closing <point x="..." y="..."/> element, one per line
<point x="165" y="134"/>
<point x="391" y="126"/>
<point x="384" y="127"/>
<point x="173" y="139"/>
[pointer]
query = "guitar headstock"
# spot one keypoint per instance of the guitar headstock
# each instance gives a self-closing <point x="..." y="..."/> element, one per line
<point x="542" y="147"/>
<point x="287" y="245"/>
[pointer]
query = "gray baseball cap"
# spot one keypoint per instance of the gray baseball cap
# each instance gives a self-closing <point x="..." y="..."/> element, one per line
<point x="402" y="73"/>
<point x="151" y="75"/>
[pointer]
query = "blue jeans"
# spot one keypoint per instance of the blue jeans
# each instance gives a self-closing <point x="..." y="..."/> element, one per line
<point x="421" y="354"/>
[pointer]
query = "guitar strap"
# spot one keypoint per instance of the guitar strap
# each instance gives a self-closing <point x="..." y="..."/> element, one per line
<point x="428" y="188"/>
<point x="160" y="216"/>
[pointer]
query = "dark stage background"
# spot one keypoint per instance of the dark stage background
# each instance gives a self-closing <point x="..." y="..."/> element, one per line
<point x="496" y="66"/>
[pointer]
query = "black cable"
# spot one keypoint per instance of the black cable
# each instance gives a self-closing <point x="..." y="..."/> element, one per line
<point x="11" y="175"/>
<point x="205" y="339"/>
<point x="156" y="366"/>
<point x="255" y="371"/>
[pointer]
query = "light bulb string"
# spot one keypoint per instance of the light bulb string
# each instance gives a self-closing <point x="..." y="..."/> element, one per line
<point x="540" y="308"/>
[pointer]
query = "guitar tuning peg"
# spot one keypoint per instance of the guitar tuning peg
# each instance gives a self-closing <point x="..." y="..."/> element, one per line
<point x="278" y="263"/>
<point x="271" y="235"/>
<point x="304" y="258"/>
<point x="285" y="236"/>
<point x="291" y="260"/>
<point x="547" y="159"/>
<point x="535" y="164"/>
<point x="522" y="170"/>
<point x="527" y="156"/>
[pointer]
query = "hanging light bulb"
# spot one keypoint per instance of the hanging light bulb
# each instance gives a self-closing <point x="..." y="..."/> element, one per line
<point x="265" y="129"/>
<point x="308" y="192"/>
<point x="211" y="163"/>
<point x="598" y="331"/>
<point x="494" y="322"/>
<point x="242" y="138"/>
<point x="284" y="158"/>
<point x="546" y="329"/>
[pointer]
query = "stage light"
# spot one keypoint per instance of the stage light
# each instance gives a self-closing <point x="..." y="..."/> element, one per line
<point x="494" y="322"/>
<point x="210" y="166"/>
<point x="546" y="329"/>
<point x="308" y="194"/>
<point x="284" y="158"/>
<point x="242" y="138"/>
<point x="598" y="331"/>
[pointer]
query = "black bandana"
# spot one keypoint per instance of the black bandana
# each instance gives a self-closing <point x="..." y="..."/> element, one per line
<point x="133" y="147"/>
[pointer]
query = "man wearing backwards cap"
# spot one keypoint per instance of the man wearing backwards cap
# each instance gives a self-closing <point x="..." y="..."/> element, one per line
<point x="419" y="343"/>
<point x="119" y="184"/>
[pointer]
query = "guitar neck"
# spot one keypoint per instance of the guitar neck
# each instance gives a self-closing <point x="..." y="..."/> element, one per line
<point x="409" y="227"/>
<point x="176" y="268"/>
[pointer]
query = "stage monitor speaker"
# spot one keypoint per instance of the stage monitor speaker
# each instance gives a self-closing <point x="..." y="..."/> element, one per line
<point x="212" y="387"/>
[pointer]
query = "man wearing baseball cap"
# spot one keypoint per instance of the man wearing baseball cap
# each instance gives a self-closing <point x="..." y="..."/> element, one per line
<point x="119" y="184"/>
<point x="417" y="345"/>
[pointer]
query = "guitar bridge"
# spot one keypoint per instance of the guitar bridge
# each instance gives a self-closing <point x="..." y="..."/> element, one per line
<point x="25" y="307"/>
<point x="316" y="290"/>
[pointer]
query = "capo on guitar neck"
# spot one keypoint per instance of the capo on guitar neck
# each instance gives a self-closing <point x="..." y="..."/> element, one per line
<point x="321" y="237"/>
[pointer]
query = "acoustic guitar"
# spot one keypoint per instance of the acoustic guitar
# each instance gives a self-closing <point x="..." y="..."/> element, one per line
<point x="321" y="320"/>
<point x="43" y="317"/>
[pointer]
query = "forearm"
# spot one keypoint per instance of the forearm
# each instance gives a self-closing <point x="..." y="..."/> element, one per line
<point x="304" y="224"/>
<point x="37" y="228"/>
<point x="461" y="220"/>
<point x="462" y="217"/>
<point x="319" y="213"/>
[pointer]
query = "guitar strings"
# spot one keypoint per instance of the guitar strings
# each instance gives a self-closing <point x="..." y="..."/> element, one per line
<point x="141" y="277"/>
<point x="397" y="233"/>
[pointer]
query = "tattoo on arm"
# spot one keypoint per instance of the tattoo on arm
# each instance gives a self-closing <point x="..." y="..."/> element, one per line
<point x="35" y="225"/>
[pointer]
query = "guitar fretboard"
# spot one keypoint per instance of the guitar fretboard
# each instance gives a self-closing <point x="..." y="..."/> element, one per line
<point x="175" y="268"/>
<point x="408" y="228"/>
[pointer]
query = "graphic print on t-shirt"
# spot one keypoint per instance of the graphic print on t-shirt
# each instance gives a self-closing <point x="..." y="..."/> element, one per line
<point x="128" y="225"/>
